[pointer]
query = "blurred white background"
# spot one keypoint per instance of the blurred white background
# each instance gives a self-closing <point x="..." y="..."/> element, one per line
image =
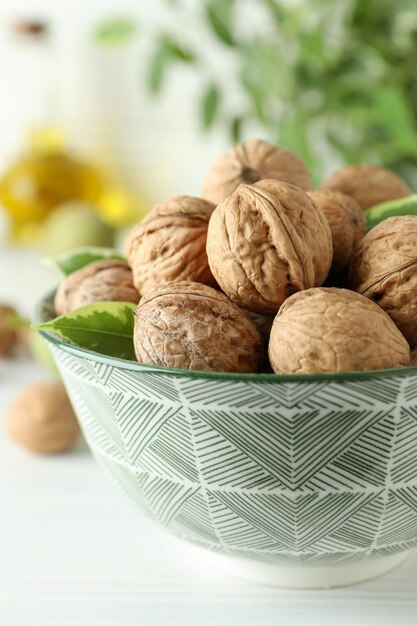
<point x="154" y="144"/>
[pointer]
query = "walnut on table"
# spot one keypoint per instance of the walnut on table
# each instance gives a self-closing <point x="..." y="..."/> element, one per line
<point x="250" y="162"/>
<point x="41" y="418"/>
<point x="188" y="325"/>
<point x="267" y="241"/>
<point x="8" y="334"/>
<point x="321" y="331"/>
<point x="170" y="244"/>
<point x="100" y="281"/>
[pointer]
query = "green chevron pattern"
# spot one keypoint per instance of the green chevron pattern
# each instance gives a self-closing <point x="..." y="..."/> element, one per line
<point x="316" y="473"/>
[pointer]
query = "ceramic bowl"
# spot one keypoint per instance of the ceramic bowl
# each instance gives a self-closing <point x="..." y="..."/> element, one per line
<point x="300" y="481"/>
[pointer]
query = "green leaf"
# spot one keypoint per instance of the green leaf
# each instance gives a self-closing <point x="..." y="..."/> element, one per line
<point x="292" y="134"/>
<point x="277" y="12"/>
<point x="219" y="14"/>
<point x="168" y="51"/>
<point x="156" y="73"/>
<point x="77" y="258"/>
<point x="210" y="105"/>
<point x="116" y="31"/>
<point x="394" y="114"/>
<point x="174" y="51"/>
<point x="104" y="327"/>
<point x="402" y="206"/>
<point x="236" y="129"/>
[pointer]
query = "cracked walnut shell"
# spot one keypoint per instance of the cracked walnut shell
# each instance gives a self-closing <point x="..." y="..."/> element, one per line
<point x="367" y="184"/>
<point x="346" y="221"/>
<point x="320" y="331"/>
<point x="100" y="281"/>
<point x="191" y="326"/>
<point x="267" y="241"/>
<point x="250" y="162"/>
<point x="169" y="244"/>
<point x="384" y="269"/>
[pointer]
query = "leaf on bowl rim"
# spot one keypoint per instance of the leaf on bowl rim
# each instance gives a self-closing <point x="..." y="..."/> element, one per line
<point x="401" y="206"/>
<point x="103" y="327"/>
<point x="75" y="259"/>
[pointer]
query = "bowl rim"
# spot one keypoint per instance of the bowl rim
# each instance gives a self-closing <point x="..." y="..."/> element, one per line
<point x="55" y="340"/>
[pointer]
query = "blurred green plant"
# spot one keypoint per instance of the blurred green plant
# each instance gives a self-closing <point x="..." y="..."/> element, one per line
<point x="333" y="81"/>
<point x="116" y="31"/>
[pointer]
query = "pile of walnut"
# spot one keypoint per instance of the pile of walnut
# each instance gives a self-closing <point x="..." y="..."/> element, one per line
<point x="230" y="278"/>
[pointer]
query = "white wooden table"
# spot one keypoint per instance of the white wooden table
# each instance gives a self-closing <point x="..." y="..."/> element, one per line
<point x="57" y="569"/>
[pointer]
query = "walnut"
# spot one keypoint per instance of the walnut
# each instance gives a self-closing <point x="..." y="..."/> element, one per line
<point x="346" y="221"/>
<point x="8" y="334"/>
<point x="41" y="418"/>
<point x="267" y="241"/>
<point x="252" y="161"/>
<point x="191" y="326"/>
<point x="170" y="244"/>
<point x="367" y="184"/>
<point x="100" y="281"/>
<point x="334" y="330"/>
<point x="384" y="269"/>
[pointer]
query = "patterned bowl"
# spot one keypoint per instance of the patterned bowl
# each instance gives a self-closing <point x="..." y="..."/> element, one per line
<point x="299" y="481"/>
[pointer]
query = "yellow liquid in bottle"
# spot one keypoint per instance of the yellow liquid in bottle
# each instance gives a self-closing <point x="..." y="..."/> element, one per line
<point x="41" y="179"/>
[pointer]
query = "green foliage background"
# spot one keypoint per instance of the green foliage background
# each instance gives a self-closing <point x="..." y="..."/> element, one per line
<point x="327" y="77"/>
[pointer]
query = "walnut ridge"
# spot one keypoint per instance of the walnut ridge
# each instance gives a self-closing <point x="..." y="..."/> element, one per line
<point x="367" y="184"/>
<point x="267" y="241"/>
<point x="170" y="244"/>
<point x="100" y="281"/>
<point x="346" y="221"/>
<point x="250" y="162"/>
<point x="191" y="326"/>
<point x="321" y="331"/>
<point x="384" y="269"/>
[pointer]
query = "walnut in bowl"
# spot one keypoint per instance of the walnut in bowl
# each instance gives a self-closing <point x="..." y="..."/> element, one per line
<point x="346" y="221"/>
<point x="188" y="325"/>
<point x="108" y="280"/>
<point x="267" y="241"/>
<point x="250" y="162"/>
<point x="367" y="184"/>
<point x="170" y="244"/>
<point x="384" y="269"/>
<point x="321" y="331"/>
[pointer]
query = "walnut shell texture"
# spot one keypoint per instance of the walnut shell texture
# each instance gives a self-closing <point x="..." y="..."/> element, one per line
<point x="188" y="325"/>
<point x="250" y="162"/>
<point x="41" y="418"/>
<point x="346" y="221"/>
<point x="367" y="184"/>
<point x="384" y="269"/>
<point x="267" y="241"/>
<point x="169" y="244"/>
<point x="334" y="330"/>
<point x="8" y="334"/>
<point x="108" y="280"/>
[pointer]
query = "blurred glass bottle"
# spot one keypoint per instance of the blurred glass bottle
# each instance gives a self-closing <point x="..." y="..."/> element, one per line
<point x="45" y="175"/>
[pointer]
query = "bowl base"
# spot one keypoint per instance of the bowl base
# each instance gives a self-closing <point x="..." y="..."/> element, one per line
<point x="306" y="577"/>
